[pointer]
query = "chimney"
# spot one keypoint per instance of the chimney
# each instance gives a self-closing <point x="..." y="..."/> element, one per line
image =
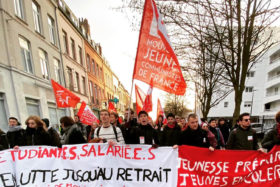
<point x="85" y="25"/>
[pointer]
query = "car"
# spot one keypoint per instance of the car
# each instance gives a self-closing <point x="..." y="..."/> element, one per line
<point x="259" y="128"/>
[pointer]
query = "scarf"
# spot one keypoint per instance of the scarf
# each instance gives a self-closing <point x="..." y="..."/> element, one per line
<point x="171" y="126"/>
<point x="14" y="128"/>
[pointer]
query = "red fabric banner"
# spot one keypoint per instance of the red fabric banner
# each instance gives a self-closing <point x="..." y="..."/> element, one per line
<point x="111" y="107"/>
<point x="64" y="98"/>
<point x="156" y="61"/>
<point x="140" y="98"/>
<point x="201" y="167"/>
<point x="86" y="115"/>
<point x="160" y="112"/>
<point x="148" y="103"/>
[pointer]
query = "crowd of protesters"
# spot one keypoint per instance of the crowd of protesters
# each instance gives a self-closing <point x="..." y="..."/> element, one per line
<point x="172" y="131"/>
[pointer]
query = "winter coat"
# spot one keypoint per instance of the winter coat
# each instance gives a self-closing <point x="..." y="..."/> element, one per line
<point x="225" y="129"/>
<point x="147" y="131"/>
<point x="16" y="138"/>
<point x="219" y="137"/>
<point x="55" y="138"/>
<point x="3" y="141"/>
<point x="73" y="135"/>
<point x="37" y="136"/>
<point x="243" y="139"/>
<point x="270" y="140"/>
<point x="128" y="131"/>
<point x="196" y="137"/>
<point x="170" y="136"/>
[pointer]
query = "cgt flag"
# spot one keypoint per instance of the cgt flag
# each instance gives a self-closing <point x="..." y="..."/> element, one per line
<point x="86" y="115"/>
<point x="64" y="98"/>
<point x="155" y="60"/>
<point x="140" y="98"/>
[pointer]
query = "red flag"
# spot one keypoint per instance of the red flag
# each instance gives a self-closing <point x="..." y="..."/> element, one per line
<point x="155" y="60"/>
<point x="148" y="104"/>
<point x="86" y="115"/>
<point x="160" y="112"/>
<point x="120" y="120"/>
<point x="111" y="107"/>
<point x="140" y="98"/>
<point x="64" y="98"/>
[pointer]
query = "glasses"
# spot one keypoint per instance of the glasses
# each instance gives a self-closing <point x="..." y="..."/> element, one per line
<point x="246" y="120"/>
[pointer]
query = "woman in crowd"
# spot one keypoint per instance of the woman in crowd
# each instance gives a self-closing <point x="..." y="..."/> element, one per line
<point x="36" y="132"/>
<point x="94" y="125"/>
<point x="218" y="134"/>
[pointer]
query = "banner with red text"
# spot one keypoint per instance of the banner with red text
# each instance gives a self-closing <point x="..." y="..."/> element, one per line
<point x="156" y="61"/>
<point x="201" y="167"/>
<point x="88" y="165"/>
<point x="86" y="115"/>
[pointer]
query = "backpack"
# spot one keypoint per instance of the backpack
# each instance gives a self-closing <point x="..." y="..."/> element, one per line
<point x="114" y="129"/>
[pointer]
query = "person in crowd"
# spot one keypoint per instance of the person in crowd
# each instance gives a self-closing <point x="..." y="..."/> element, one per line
<point x="93" y="126"/>
<point x="218" y="134"/>
<point x="178" y="120"/>
<point x="171" y="132"/>
<point x="114" y="119"/>
<point x="243" y="137"/>
<point x="16" y="134"/>
<point x="144" y="133"/>
<point x="108" y="132"/>
<point x="3" y="141"/>
<point x="72" y="133"/>
<point x="210" y="136"/>
<point x="128" y="125"/>
<point x="55" y="139"/>
<point x="81" y="126"/>
<point x="159" y="123"/>
<point x="36" y="132"/>
<point x="272" y="138"/>
<point x="184" y="124"/>
<point x="224" y="127"/>
<point x="194" y="135"/>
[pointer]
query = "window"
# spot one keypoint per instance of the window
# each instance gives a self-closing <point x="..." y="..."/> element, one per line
<point x="84" y="86"/>
<point x="247" y="103"/>
<point x="65" y="41"/>
<point x="73" y="49"/>
<point x="52" y="30"/>
<point x="248" y="89"/>
<point x="77" y="82"/>
<point x="88" y="63"/>
<point x="70" y="78"/>
<point x="37" y="17"/>
<point x="3" y="114"/>
<point x="26" y="55"/>
<point x="96" y="72"/>
<point x="44" y="64"/>
<point x="225" y="104"/>
<point x="276" y="90"/>
<point x="96" y="93"/>
<point x="251" y="74"/>
<point x="57" y="71"/>
<point x="55" y="114"/>
<point x="91" y="91"/>
<point x="32" y="107"/>
<point x="81" y="55"/>
<point x="93" y="66"/>
<point x="19" y="8"/>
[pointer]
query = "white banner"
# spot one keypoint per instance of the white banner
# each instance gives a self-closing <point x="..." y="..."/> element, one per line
<point x="89" y="165"/>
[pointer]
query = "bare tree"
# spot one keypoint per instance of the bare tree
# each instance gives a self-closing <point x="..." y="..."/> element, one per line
<point x="175" y="104"/>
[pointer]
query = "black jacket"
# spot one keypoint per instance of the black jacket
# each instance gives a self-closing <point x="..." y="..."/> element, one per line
<point x="3" y="141"/>
<point x="55" y="139"/>
<point x="16" y="138"/>
<point x="147" y="131"/>
<point x="270" y="139"/>
<point x="170" y="136"/>
<point x="73" y="135"/>
<point x="243" y="139"/>
<point x="37" y="136"/>
<point x="196" y="137"/>
<point x="225" y="129"/>
<point x="128" y="131"/>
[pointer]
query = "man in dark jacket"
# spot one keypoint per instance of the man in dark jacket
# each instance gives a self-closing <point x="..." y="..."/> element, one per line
<point x="243" y="137"/>
<point x="224" y="127"/>
<point x="194" y="135"/>
<point x="16" y="135"/>
<point x="272" y="138"/>
<point x="144" y="133"/>
<point x="55" y="139"/>
<point x="3" y="141"/>
<point x="171" y="132"/>
<point x="129" y="124"/>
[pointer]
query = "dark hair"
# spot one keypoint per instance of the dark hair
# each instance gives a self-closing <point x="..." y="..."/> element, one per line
<point x="242" y="115"/>
<point x="193" y="115"/>
<point x="203" y="120"/>
<point x="131" y="111"/>
<point x="116" y="115"/>
<point x="46" y="121"/>
<point x="14" y="118"/>
<point x="170" y="115"/>
<point x="277" y="117"/>
<point x="160" y="116"/>
<point x="67" y="121"/>
<point x="105" y="110"/>
<point x="213" y="119"/>
<point x="142" y="112"/>
<point x="221" y="119"/>
<point x="37" y="120"/>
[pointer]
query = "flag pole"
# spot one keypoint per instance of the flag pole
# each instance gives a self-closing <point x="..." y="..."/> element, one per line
<point x="129" y="109"/>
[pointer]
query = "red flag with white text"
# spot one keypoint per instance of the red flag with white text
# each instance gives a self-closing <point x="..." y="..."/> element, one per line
<point x="148" y="103"/>
<point x="155" y="60"/>
<point x="160" y="112"/>
<point x="86" y="115"/>
<point x="64" y="98"/>
<point x="140" y="98"/>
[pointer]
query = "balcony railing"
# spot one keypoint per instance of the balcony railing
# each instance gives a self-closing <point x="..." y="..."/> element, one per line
<point x="274" y="60"/>
<point x="272" y="94"/>
<point x="273" y="77"/>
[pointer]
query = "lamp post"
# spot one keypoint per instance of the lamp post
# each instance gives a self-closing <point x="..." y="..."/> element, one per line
<point x="252" y="102"/>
